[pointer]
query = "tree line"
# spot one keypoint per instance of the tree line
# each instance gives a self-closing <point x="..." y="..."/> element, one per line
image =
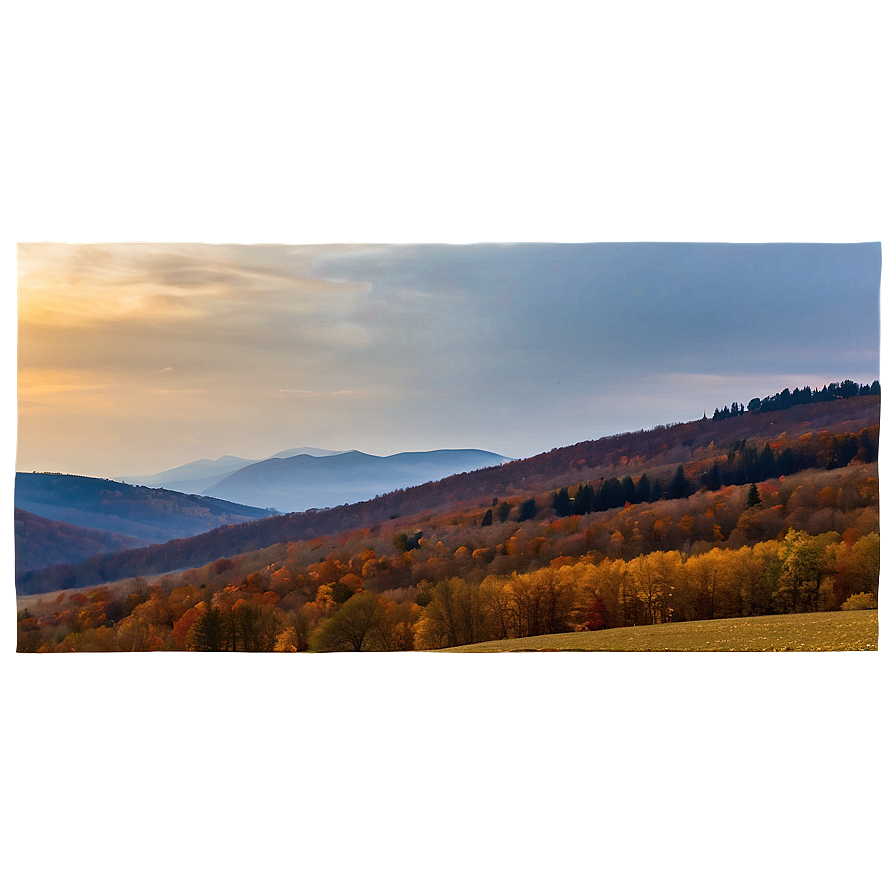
<point x="800" y="573"/>
<point x="745" y="463"/>
<point x="785" y="399"/>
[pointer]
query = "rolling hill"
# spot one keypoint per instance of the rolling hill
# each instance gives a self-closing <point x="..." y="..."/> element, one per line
<point x="151" y="515"/>
<point x="811" y="429"/>
<point x="40" y="542"/>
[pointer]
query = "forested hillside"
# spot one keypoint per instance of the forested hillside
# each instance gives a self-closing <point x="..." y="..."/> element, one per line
<point x="40" y="542"/>
<point x="693" y="521"/>
<point x="150" y="515"/>
<point x="707" y="556"/>
<point x="806" y="436"/>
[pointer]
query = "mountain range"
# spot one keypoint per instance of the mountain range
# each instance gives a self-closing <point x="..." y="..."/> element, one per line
<point x="200" y="476"/>
<point x="305" y="481"/>
<point x="300" y="479"/>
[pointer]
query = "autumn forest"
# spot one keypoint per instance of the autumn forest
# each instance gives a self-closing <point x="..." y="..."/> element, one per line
<point x="768" y="508"/>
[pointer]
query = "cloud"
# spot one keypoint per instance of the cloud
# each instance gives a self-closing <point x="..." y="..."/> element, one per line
<point x="523" y="346"/>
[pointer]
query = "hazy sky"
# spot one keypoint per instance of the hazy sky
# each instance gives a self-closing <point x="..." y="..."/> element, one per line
<point x="134" y="358"/>
<point x="766" y="124"/>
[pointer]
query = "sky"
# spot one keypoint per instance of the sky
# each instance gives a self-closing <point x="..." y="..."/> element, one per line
<point x="416" y="123"/>
<point x="137" y="357"/>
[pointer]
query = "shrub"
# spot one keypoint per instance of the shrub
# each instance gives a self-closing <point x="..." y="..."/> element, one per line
<point x="862" y="601"/>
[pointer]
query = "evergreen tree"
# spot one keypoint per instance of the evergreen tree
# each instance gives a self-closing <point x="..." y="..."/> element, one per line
<point x="753" y="499"/>
<point x="766" y="463"/>
<point x="786" y="462"/>
<point x="642" y="490"/>
<point x="712" y="479"/>
<point x="561" y="503"/>
<point x="487" y="519"/>
<point x="610" y="494"/>
<point x="584" y="500"/>
<point x="528" y="509"/>
<point x="207" y="632"/>
<point x="679" y="487"/>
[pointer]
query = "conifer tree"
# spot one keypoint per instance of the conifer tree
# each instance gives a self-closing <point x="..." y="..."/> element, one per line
<point x="679" y="487"/>
<point x="207" y="632"/>
<point x="642" y="490"/>
<point x="713" y="478"/>
<point x="561" y="503"/>
<point x="584" y="500"/>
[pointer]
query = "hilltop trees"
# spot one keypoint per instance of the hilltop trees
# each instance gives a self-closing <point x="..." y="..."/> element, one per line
<point x="785" y="399"/>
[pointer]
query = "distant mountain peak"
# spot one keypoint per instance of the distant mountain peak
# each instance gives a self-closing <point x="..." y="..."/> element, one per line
<point x="302" y="481"/>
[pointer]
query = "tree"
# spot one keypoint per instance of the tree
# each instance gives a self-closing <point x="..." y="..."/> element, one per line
<point x="596" y="614"/>
<point x="339" y="591"/>
<point x="355" y="626"/>
<point x="804" y="563"/>
<point x="857" y="565"/>
<point x="712" y="479"/>
<point x="753" y="499"/>
<point x="453" y="616"/>
<point x="287" y="641"/>
<point x="584" y="500"/>
<point x="207" y="632"/>
<point x="487" y="519"/>
<point x="653" y="579"/>
<point x="398" y="625"/>
<point x="679" y="487"/>
<point x="249" y="629"/>
<point x="642" y="490"/>
<point x="561" y="503"/>
<point x="755" y="570"/>
<point x="184" y="625"/>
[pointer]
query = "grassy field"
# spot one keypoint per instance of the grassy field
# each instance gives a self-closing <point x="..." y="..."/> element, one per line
<point x="853" y="630"/>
